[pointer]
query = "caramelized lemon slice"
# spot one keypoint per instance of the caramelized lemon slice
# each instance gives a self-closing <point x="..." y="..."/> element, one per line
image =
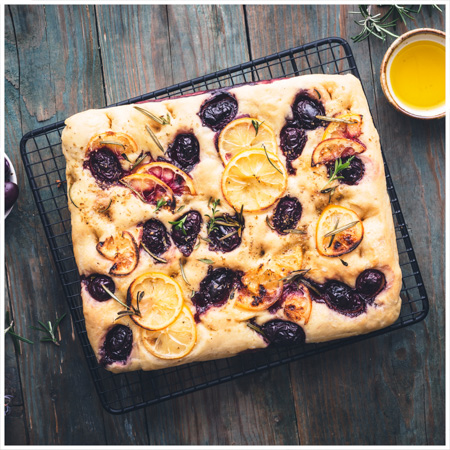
<point x="123" y="250"/>
<point x="158" y="298"/>
<point x="255" y="179"/>
<point x="175" y="341"/>
<point x="242" y="134"/>
<point x="344" y="130"/>
<point x="149" y="188"/>
<point x="334" y="148"/>
<point x="339" y="231"/>
<point x="180" y="182"/>
<point x="297" y="304"/>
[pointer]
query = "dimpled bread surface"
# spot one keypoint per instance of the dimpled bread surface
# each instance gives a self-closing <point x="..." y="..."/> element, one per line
<point x="222" y="331"/>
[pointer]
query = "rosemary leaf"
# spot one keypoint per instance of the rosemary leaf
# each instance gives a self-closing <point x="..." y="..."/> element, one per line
<point x="139" y="159"/>
<point x="112" y="143"/>
<point x="183" y="275"/>
<point x="155" y="139"/>
<point x="318" y="94"/>
<point x="70" y="196"/>
<point x="228" y="235"/>
<point x="179" y="224"/>
<point x="270" y="161"/>
<point x="257" y="329"/>
<point x="295" y="231"/>
<point x="141" y="198"/>
<point x="256" y="126"/>
<point x="161" y="260"/>
<point x="269" y="223"/>
<point x="113" y="296"/>
<point x="343" y="228"/>
<point x="335" y="119"/>
<point x="159" y="204"/>
<point x="160" y="120"/>
<point x="124" y="155"/>
<point x="106" y="209"/>
<point x="206" y="261"/>
<point x="180" y="209"/>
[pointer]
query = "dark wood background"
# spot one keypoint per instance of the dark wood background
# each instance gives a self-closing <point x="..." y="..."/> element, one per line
<point x="387" y="390"/>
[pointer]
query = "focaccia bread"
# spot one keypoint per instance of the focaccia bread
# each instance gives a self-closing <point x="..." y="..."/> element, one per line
<point x="226" y="221"/>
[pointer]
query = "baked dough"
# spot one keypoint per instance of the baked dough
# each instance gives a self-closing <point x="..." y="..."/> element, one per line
<point x="99" y="211"/>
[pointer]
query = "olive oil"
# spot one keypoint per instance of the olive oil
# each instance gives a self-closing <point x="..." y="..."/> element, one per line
<point x="417" y="75"/>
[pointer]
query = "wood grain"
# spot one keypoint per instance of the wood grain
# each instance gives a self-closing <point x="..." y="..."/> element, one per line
<point x="386" y="390"/>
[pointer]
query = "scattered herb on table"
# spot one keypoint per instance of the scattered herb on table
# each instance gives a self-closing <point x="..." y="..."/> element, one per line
<point x="50" y="329"/>
<point x="9" y="329"/>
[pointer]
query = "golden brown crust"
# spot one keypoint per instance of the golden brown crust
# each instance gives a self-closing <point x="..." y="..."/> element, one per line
<point x="223" y="331"/>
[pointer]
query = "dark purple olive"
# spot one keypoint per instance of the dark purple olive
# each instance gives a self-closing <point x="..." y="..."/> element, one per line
<point x="7" y="170"/>
<point x="184" y="235"/>
<point x="282" y="332"/>
<point x="287" y="214"/>
<point x="217" y="235"/>
<point x="305" y="110"/>
<point x="184" y="152"/>
<point x="215" y="288"/>
<point x="370" y="282"/>
<point x="95" y="287"/>
<point x="11" y="194"/>
<point x="155" y="237"/>
<point x="117" y="345"/>
<point x="105" y="166"/>
<point x="292" y="142"/>
<point x="218" y="111"/>
<point x="343" y="299"/>
<point x="352" y="174"/>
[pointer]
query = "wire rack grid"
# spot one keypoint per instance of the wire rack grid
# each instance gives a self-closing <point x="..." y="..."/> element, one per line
<point x="45" y="165"/>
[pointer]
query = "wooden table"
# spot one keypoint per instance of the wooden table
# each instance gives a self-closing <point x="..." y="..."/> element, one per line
<point x="387" y="390"/>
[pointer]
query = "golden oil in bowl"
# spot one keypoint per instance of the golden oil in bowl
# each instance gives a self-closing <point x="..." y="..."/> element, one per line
<point x="413" y="74"/>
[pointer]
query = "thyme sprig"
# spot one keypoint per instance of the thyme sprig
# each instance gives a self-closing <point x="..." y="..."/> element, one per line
<point x="50" y="329"/>
<point x="161" y="260"/>
<point x="212" y="217"/>
<point x="162" y="120"/>
<point x="155" y="139"/>
<point x="179" y="224"/>
<point x="9" y="324"/>
<point x="339" y="166"/>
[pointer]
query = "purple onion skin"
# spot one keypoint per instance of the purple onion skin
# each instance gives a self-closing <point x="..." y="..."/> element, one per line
<point x="11" y="194"/>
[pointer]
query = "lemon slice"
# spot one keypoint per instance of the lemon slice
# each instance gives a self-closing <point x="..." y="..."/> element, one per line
<point x="180" y="182"/>
<point x="175" y="341"/>
<point x="336" y="129"/>
<point x="243" y="134"/>
<point x="255" y="179"/>
<point x="348" y="230"/>
<point x="297" y="304"/>
<point x="334" y="148"/>
<point x="148" y="188"/>
<point x="160" y="300"/>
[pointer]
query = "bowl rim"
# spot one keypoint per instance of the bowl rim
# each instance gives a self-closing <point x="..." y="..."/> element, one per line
<point x="13" y="179"/>
<point x="383" y="71"/>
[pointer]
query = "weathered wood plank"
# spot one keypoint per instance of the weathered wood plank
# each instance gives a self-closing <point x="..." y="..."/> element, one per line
<point x="37" y="75"/>
<point x="135" y="49"/>
<point x="401" y="373"/>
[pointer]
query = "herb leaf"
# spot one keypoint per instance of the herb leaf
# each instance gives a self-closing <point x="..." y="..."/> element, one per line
<point x="339" y="166"/>
<point x="183" y="275"/>
<point x="179" y="224"/>
<point x="113" y="143"/>
<point x="256" y="126"/>
<point x="161" y="260"/>
<point x="50" y="330"/>
<point x="155" y="139"/>
<point x="159" y="204"/>
<point x="162" y="120"/>
<point x="206" y="261"/>
<point x="336" y="119"/>
<point x="270" y="161"/>
<point x="340" y="229"/>
<point x="106" y="209"/>
<point x="70" y="197"/>
<point x="212" y="218"/>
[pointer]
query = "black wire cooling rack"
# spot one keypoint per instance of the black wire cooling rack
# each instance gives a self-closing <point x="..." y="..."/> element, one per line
<point x="45" y="165"/>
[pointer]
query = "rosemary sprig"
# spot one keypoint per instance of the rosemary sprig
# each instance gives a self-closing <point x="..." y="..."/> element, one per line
<point x="70" y="197"/>
<point x="106" y="209"/>
<point x="206" y="260"/>
<point x="50" y="330"/>
<point x="161" y="260"/>
<point x="162" y="120"/>
<point x="159" y="204"/>
<point x="141" y="198"/>
<point x="294" y="275"/>
<point x="112" y="143"/>
<point x="129" y="310"/>
<point x="256" y="125"/>
<point x="270" y="161"/>
<point x="9" y="324"/>
<point x="179" y="224"/>
<point x="336" y="119"/>
<point x="155" y="139"/>
<point x="375" y="25"/>
<point x="339" y="166"/>
<point x="341" y="229"/>
<point x="183" y="274"/>
<point x="212" y="218"/>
